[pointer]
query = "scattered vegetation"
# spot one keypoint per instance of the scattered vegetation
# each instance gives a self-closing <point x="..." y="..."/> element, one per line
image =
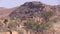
<point x="37" y="26"/>
<point x="12" y="26"/>
<point x="28" y="12"/>
<point x="40" y="26"/>
<point x="46" y="15"/>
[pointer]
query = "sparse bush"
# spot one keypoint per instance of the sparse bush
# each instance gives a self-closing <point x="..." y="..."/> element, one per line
<point x="5" y="21"/>
<point x="12" y="26"/>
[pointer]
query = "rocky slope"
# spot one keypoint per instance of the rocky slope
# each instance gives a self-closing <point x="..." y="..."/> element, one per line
<point x="31" y="10"/>
<point x="34" y="10"/>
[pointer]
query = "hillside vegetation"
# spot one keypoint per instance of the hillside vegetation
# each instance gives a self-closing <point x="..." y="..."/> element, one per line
<point x="31" y="18"/>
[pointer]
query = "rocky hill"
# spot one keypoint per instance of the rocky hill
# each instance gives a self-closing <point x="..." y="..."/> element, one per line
<point x="35" y="10"/>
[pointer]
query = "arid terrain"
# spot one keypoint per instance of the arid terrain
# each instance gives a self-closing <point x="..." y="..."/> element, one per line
<point x="30" y="18"/>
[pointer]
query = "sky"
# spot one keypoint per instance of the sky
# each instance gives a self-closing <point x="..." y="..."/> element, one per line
<point x="14" y="3"/>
